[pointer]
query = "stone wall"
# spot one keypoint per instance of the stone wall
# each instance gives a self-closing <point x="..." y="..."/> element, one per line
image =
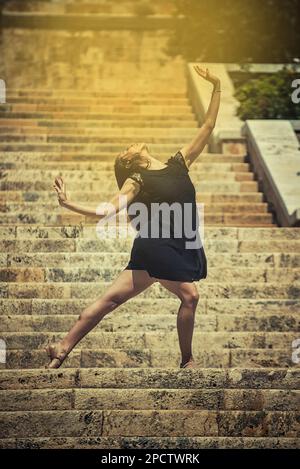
<point x="119" y="51"/>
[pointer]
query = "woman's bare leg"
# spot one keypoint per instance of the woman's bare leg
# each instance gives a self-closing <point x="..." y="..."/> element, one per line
<point x="188" y="294"/>
<point x="128" y="284"/>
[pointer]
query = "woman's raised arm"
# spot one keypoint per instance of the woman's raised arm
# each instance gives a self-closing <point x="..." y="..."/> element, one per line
<point x="193" y="149"/>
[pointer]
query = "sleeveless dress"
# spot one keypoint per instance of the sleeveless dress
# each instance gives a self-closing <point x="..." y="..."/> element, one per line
<point x="168" y="257"/>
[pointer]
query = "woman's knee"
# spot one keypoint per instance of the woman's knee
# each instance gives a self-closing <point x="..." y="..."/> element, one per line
<point x="190" y="298"/>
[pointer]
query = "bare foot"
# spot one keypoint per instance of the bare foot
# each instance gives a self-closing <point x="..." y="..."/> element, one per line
<point x="57" y="355"/>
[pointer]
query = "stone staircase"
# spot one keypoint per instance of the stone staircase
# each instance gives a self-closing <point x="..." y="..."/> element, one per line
<point x="122" y="387"/>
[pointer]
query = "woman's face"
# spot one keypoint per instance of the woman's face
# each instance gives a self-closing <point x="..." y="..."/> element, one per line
<point x="131" y="151"/>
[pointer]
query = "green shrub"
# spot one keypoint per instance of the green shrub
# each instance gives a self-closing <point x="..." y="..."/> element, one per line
<point x="268" y="97"/>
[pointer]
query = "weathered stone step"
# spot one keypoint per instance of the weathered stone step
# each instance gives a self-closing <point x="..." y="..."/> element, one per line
<point x="107" y="177"/>
<point x="148" y="399"/>
<point x="236" y="274"/>
<point x="38" y="208"/>
<point x="61" y="243"/>
<point x="93" y="101"/>
<point x="150" y="442"/>
<point x="210" y="186"/>
<point x="82" y="290"/>
<point x="21" y="125"/>
<point x="247" y="307"/>
<point x="160" y="135"/>
<point x="131" y="106"/>
<point x="107" y="156"/>
<point x="148" y="423"/>
<point x="154" y="340"/>
<point x="145" y="358"/>
<point x="46" y="196"/>
<point x="219" y="218"/>
<point x="67" y="92"/>
<point x="106" y="169"/>
<point x="228" y="236"/>
<point x="41" y="134"/>
<point x="155" y="322"/>
<point x="144" y="378"/>
<point x="102" y="112"/>
<point x="92" y="148"/>
<point x="81" y="260"/>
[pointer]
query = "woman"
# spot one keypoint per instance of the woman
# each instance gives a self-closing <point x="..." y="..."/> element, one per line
<point x="154" y="258"/>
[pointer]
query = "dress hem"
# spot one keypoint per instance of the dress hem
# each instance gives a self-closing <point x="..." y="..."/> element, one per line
<point x="196" y="279"/>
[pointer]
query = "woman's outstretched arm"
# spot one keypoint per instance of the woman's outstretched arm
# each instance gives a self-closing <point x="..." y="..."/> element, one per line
<point x="193" y="149"/>
<point x="119" y="201"/>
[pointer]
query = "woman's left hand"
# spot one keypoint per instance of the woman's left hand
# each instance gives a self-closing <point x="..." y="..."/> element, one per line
<point x="207" y="75"/>
<point x="60" y="189"/>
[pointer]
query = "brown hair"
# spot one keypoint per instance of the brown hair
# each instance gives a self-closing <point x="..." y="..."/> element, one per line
<point x="122" y="172"/>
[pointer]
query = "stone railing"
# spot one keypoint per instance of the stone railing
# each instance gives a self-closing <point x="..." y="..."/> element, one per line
<point x="275" y="155"/>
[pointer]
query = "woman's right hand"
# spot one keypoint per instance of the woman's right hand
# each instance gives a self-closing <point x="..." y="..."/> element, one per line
<point x="60" y="189"/>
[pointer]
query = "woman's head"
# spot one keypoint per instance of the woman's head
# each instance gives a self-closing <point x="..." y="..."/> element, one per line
<point x="130" y="160"/>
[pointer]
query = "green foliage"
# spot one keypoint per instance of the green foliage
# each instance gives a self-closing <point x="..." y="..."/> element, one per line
<point x="236" y="31"/>
<point x="268" y="97"/>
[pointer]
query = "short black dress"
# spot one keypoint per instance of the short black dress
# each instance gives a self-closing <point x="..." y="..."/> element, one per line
<point x="170" y="254"/>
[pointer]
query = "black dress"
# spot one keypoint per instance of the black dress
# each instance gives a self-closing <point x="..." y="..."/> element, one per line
<point x="171" y="256"/>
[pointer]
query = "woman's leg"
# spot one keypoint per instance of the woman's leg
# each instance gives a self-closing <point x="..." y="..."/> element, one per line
<point x="188" y="294"/>
<point x="128" y="284"/>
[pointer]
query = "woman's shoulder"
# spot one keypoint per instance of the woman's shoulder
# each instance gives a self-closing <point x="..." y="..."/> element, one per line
<point x="178" y="161"/>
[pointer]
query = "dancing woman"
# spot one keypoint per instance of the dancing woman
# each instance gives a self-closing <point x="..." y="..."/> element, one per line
<point x="167" y="260"/>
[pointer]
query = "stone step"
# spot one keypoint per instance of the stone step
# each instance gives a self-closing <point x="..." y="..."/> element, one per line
<point x="93" y="260"/>
<point x="149" y="399"/>
<point x="210" y="186"/>
<point x="210" y="208"/>
<point x="88" y="134"/>
<point x="148" y="423"/>
<point x="143" y="358"/>
<point x="87" y="147"/>
<point x="219" y="218"/>
<point x="25" y="124"/>
<point x="122" y="442"/>
<point x="91" y="93"/>
<point x="155" y="322"/>
<point x="106" y="169"/>
<point x="162" y="136"/>
<point x="73" y="177"/>
<point x="229" y="236"/>
<point x="155" y="340"/>
<point x="100" y="100"/>
<point x="107" y="157"/>
<point x="233" y="274"/>
<point x="244" y="307"/>
<point x="131" y="106"/>
<point x="103" y="112"/>
<point x="157" y="378"/>
<point x="61" y="243"/>
<point x="59" y="290"/>
<point x="46" y="196"/>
